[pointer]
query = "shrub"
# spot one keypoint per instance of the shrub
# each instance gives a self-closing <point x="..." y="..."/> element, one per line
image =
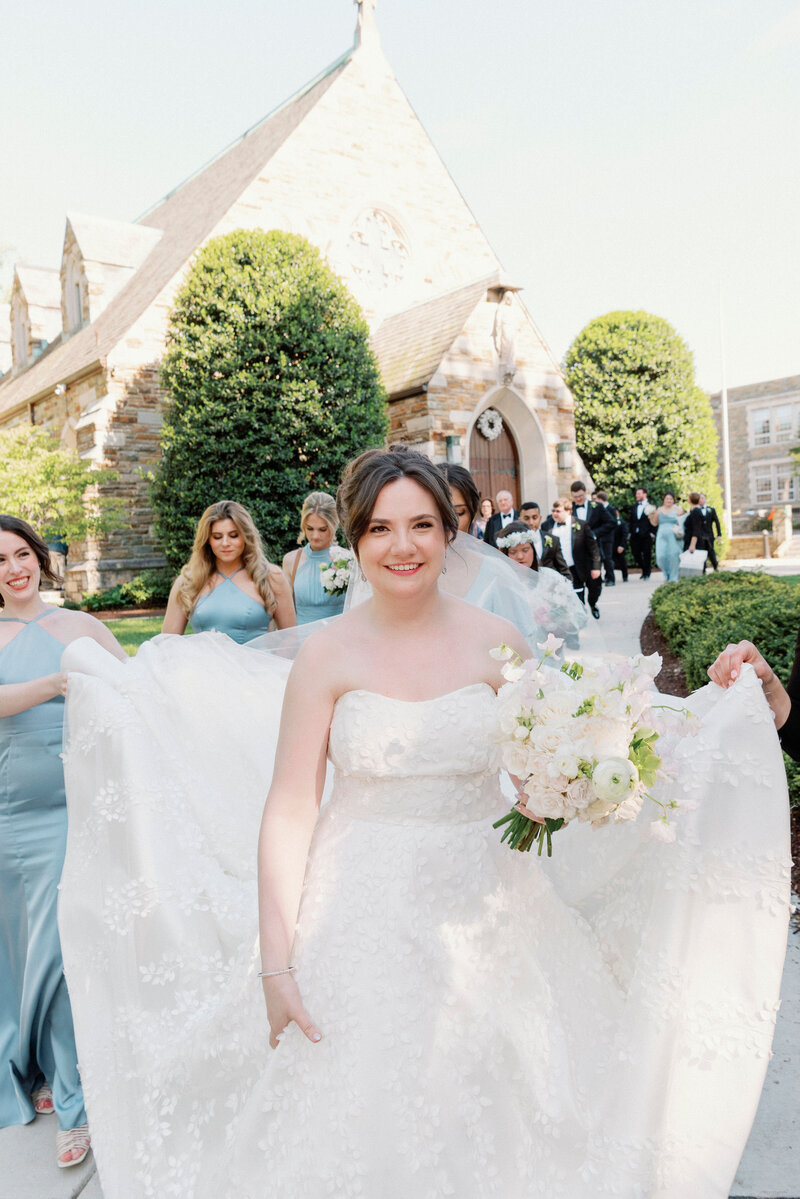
<point x="272" y="385"/>
<point x="640" y="418"/>
<point x="699" y="617"/>
<point x="150" y="589"/>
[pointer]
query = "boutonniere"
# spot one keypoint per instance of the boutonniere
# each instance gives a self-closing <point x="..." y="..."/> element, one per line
<point x="548" y="542"/>
<point x="576" y="526"/>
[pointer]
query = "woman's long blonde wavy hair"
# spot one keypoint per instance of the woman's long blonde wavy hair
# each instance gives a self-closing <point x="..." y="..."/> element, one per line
<point x="202" y="564"/>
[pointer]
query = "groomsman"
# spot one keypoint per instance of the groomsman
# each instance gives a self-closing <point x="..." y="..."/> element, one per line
<point x="546" y="545"/>
<point x="580" y="550"/>
<point x="504" y="516"/>
<point x="710" y="523"/>
<point x="641" y="532"/>
<point x="621" y="548"/>
<point x="605" y="534"/>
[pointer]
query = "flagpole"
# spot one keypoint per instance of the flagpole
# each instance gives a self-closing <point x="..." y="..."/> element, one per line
<point x="726" y="438"/>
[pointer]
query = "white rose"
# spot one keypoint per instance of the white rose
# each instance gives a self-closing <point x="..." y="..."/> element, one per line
<point x="564" y="762"/>
<point x="580" y="793"/>
<point x="613" y="779"/>
<point x="630" y="808"/>
<point x="600" y="809"/>
<point x="543" y="800"/>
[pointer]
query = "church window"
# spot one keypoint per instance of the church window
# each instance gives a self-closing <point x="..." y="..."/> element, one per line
<point x="21" y="339"/>
<point x="761" y="426"/>
<point x="73" y="293"/>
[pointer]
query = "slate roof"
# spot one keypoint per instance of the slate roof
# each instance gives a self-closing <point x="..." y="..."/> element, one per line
<point x="410" y="345"/>
<point x="187" y="217"/>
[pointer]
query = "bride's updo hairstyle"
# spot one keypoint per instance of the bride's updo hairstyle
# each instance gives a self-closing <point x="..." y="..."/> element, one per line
<point x="13" y="524"/>
<point x="366" y="476"/>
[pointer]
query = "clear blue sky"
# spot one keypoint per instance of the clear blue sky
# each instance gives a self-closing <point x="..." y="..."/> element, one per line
<point x="624" y="154"/>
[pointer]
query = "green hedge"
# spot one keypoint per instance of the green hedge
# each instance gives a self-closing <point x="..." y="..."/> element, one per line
<point x="150" y="589"/>
<point x="699" y="617"/>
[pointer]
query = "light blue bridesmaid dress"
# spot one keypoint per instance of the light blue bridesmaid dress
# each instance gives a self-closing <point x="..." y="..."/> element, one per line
<point x="227" y="609"/>
<point x="311" y="600"/>
<point x="37" y="1042"/>
<point x="668" y="547"/>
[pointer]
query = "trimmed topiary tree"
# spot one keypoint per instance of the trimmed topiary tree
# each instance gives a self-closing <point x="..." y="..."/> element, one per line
<point x="640" y="418"/>
<point x="272" y="387"/>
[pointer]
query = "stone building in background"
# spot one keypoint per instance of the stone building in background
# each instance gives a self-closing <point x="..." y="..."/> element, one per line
<point x="764" y="426"/>
<point x="345" y="163"/>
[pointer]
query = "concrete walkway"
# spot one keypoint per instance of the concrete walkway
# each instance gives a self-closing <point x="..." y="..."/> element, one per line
<point x="770" y="1167"/>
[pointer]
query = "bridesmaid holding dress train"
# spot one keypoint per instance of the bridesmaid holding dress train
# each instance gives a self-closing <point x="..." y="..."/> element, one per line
<point x="228" y="585"/>
<point x="38" y="1058"/>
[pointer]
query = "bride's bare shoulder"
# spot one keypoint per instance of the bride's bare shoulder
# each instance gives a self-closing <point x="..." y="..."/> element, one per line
<point x="487" y="628"/>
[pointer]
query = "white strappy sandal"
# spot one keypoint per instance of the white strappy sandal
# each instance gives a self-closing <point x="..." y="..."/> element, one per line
<point x="42" y="1100"/>
<point x="74" y="1138"/>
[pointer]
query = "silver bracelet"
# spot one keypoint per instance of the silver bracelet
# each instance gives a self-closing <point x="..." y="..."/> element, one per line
<point x="273" y="973"/>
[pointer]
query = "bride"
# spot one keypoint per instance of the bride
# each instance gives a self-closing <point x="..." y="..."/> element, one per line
<point x="445" y="1017"/>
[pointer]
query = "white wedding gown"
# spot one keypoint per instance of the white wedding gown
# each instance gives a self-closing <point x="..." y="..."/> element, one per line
<point x="493" y="1024"/>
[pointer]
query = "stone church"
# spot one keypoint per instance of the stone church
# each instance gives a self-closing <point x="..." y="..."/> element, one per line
<point x="346" y="163"/>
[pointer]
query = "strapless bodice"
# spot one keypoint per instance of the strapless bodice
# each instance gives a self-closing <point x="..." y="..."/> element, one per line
<point x="422" y="761"/>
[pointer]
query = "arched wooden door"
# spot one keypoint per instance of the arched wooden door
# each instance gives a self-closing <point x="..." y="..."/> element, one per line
<point x="494" y="464"/>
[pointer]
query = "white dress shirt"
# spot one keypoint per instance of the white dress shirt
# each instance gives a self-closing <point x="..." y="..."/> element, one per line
<point x="564" y="535"/>
<point x="506" y="518"/>
<point x="580" y="513"/>
<point x="538" y="543"/>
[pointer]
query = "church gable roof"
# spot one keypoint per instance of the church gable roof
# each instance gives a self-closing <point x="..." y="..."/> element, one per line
<point x="113" y="243"/>
<point x="186" y="217"/>
<point x="40" y="286"/>
<point x="410" y="345"/>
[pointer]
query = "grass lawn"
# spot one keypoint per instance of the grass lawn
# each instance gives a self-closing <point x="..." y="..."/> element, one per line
<point x="132" y="631"/>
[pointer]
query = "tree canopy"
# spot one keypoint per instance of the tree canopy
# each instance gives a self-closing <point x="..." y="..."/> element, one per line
<point x="272" y="387"/>
<point x="52" y="488"/>
<point x="640" y="418"/>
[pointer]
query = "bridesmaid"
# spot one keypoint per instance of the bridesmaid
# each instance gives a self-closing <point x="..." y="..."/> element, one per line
<point x="464" y="494"/>
<point x="228" y="585"/>
<point x="319" y="521"/>
<point x="38" y="1058"/>
<point x="668" y="521"/>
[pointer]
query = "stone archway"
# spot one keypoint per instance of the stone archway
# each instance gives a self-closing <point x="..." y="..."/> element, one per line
<point x="494" y="464"/>
<point x="533" y="478"/>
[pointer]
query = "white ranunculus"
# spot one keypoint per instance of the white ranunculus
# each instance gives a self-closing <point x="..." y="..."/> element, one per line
<point x="613" y="779"/>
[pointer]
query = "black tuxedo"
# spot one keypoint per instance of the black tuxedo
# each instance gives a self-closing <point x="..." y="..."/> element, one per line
<point x="552" y="556"/>
<point x="586" y="556"/>
<point x="642" y="534"/>
<point x="602" y="520"/>
<point x="494" y="525"/>
<point x="701" y="525"/>
<point x="621" y="547"/>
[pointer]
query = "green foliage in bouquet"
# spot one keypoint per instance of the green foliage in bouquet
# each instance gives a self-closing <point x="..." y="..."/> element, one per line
<point x="699" y="617"/>
<point x="640" y="418"/>
<point x="272" y="387"/>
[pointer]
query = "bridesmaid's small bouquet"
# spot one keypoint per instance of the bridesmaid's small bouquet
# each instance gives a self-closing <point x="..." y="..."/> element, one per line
<point x="583" y="740"/>
<point x="336" y="576"/>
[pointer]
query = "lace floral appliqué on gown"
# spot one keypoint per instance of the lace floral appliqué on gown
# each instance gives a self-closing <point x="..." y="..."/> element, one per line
<point x="493" y="1025"/>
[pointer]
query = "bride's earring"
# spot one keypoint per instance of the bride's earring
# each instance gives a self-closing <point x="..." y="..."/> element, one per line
<point x="444" y="569"/>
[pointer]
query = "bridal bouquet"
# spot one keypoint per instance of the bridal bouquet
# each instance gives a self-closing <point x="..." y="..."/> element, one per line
<point x="583" y="740"/>
<point x="336" y="576"/>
